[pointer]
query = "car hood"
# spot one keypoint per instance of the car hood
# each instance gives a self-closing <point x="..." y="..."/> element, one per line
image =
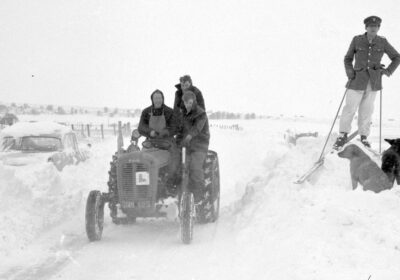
<point x="21" y="158"/>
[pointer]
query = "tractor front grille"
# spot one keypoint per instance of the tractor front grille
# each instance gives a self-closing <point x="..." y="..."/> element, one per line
<point x="134" y="184"/>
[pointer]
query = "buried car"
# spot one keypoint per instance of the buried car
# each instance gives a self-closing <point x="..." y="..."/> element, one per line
<point x="28" y="143"/>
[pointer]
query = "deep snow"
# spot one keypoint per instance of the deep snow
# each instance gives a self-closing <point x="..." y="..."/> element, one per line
<point x="269" y="228"/>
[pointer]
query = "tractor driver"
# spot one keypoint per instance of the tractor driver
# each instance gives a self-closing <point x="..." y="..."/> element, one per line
<point x="195" y="135"/>
<point x="158" y="124"/>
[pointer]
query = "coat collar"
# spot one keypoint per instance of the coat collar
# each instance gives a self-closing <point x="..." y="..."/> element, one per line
<point x="376" y="39"/>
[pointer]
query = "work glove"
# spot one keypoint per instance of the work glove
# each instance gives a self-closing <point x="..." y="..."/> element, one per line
<point x="385" y="72"/>
<point x="153" y="133"/>
<point x="164" y="133"/>
<point x="186" y="141"/>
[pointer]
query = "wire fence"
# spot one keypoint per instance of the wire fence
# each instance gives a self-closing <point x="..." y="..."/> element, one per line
<point x="100" y="130"/>
<point x="236" y="127"/>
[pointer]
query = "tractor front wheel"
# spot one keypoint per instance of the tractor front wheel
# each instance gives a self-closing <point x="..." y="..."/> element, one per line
<point x="187" y="214"/>
<point x="94" y="216"/>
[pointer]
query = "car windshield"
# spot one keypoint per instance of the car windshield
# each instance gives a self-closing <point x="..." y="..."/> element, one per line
<point x="8" y="143"/>
<point x="31" y="144"/>
<point x="40" y="144"/>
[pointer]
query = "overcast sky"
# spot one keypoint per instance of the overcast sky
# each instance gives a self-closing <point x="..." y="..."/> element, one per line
<point x="269" y="57"/>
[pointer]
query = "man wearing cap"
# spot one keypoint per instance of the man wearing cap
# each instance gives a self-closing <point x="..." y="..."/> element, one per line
<point x="196" y="138"/>
<point x="365" y="78"/>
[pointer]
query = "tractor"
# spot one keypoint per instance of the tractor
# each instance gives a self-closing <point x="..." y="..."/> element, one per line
<point x="137" y="188"/>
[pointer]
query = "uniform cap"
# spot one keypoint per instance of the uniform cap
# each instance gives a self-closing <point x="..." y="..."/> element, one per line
<point x="372" y="20"/>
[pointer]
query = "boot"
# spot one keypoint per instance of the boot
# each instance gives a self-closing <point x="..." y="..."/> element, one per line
<point x="171" y="187"/>
<point x="365" y="141"/>
<point x="340" y="141"/>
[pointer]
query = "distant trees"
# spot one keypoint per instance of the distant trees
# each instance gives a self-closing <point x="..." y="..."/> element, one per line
<point x="3" y="109"/>
<point x="60" y="110"/>
<point x="229" y="115"/>
<point x="34" y="111"/>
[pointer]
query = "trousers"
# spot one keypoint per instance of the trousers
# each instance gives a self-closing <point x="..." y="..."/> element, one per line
<point x="196" y="174"/>
<point x="363" y="100"/>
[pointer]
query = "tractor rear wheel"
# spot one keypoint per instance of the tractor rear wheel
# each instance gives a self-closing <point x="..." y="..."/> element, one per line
<point x="208" y="211"/>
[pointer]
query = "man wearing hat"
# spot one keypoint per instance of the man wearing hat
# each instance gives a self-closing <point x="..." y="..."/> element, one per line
<point x="365" y="78"/>
<point x="196" y="138"/>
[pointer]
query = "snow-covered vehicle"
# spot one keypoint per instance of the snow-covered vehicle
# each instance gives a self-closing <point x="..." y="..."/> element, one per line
<point x="137" y="189"/>
<point x="27" y="143"/>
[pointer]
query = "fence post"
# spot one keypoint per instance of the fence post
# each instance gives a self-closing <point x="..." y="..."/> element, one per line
<point x="72" y="127"/>
<point x="129" y="129"/>
<point x="88" y="130"/>
<point x="115" y="129"/>
<point x="102" y="131"/>
<point x="83" y="129"/>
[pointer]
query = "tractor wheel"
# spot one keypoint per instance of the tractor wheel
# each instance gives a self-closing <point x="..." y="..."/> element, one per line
<point x="187" y="217"/>
<point x="209" y="211"/>
<point x="94" y="216"/>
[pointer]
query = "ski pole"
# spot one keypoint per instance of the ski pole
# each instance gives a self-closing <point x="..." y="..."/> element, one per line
<point x="380" y="123"/>
<point x="333" y="124"/>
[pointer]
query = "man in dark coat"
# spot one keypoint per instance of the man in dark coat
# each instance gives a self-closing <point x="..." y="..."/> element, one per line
<point x="365" y="78"/>
<point x="196" y="137"/>
<point x="159" y="125"/>
<point x="185" y="85"/>
<point x="157" y="121"/>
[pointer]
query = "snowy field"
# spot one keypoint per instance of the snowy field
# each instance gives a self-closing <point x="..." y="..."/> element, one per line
<point x="269" y="228"/>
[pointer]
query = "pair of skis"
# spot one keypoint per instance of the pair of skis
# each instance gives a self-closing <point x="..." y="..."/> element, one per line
<point x="320" y="162"/>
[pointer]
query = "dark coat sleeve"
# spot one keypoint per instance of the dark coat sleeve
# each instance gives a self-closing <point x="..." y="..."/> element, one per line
<point x="171" y="122"/>
<point x="198" y="124"/>
<point x="178" y="100"/>
<point x="348" y="60"/>
<point x="144" y="128"/>
<point x="393" y="55"/>
<point x="199" y="98"/>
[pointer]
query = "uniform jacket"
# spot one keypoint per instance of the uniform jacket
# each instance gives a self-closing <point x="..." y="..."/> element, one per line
<point x="367" y="65"/>
<point x="195" y="123"/>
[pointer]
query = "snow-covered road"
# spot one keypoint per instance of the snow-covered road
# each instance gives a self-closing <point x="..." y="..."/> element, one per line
<point x="269" y="228"/>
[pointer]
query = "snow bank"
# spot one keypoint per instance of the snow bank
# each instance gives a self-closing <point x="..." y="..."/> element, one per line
<point x="35" y="199"/>
<point x="34" y="128"/>
<point x="318" y="230"/>
<point x="269" y="228"/>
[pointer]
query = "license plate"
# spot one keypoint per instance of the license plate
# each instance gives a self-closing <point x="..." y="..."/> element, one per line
<point x="142" y="178"/>
<point x="139" y="204"/>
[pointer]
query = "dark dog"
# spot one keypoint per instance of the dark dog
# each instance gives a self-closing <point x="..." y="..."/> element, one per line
<point x="364" y="171"/>
<point x="391" y="160"/>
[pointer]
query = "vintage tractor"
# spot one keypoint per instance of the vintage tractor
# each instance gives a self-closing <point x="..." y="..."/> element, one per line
<point x="137" y="188"/>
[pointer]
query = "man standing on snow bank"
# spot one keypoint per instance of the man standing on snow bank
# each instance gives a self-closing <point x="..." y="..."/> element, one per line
<point x="196" y="137"/>
<point x="365" y="78"/>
